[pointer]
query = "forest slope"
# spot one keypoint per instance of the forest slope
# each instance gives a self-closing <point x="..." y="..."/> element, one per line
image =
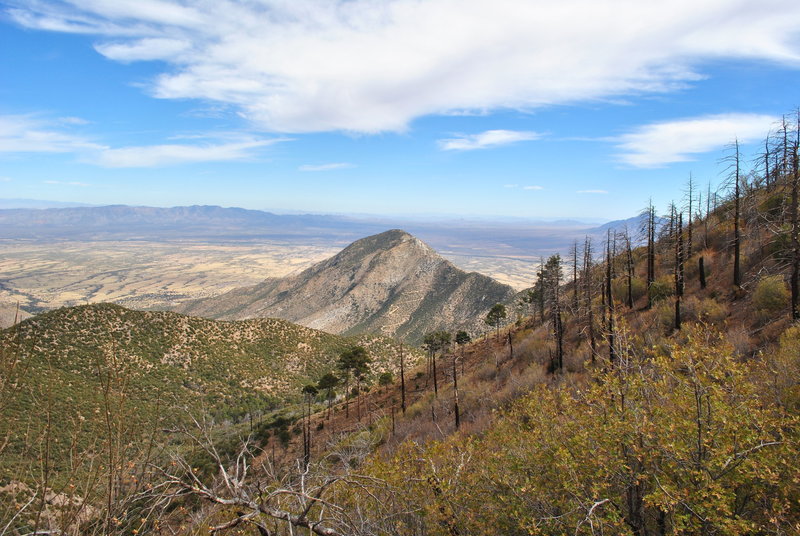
<point x="59" y="367"/>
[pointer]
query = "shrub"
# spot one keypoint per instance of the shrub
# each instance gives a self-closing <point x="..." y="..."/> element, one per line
<point x="665" y="314"/>
<point x="663" y="287"/>
<point x="770" y="296"/>
<point x="620" y="288"/>
<point x="780" y="247"/>
<point x="385" y="378"/>
<point x="711" y="311"/>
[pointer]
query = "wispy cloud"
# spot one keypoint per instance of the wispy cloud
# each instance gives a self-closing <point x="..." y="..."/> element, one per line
<point x="172" y="154"/>
<point x="486" y="140"/>
<point x="592" y="192"/>
<point x="35" y="134"/>
<point x="533" y="187"/>
<point x="366" y="66"/>
<point x="326" y="167"/>
<point x="31" y="134"/>
<point x="658" y="144"/>
<point x="73" y="121"/>
<point x="69" y="183"/>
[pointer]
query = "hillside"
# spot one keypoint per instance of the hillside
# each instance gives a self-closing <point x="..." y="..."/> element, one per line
<point x="61" y="366"/>
<point x="656" y="395"/>
<point x="390" y="283"/>
<point x="681" y="418"/>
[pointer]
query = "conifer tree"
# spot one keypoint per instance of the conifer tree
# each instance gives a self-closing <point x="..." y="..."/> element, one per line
<point x="328" y="383"/>
<point x="495" y="317"/>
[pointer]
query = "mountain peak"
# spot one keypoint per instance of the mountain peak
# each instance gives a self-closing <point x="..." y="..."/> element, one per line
<point x="390" y="283"/>
<point x="385" y="242"/>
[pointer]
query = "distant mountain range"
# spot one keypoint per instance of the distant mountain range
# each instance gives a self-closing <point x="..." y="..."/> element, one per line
<point x="391" y="283"/>
<point x="515" y="238"/>
<point x="122" y="222"/>
<point x="38" y="204"/>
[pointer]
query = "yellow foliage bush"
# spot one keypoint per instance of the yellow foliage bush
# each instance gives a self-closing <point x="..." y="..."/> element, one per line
<point x="770" y="296"/>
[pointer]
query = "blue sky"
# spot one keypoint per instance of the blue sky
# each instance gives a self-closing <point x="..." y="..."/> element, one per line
<point x="457" y="107"/>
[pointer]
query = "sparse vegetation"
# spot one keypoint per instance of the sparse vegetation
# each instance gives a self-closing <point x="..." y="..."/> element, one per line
<point x="680" y="418"/>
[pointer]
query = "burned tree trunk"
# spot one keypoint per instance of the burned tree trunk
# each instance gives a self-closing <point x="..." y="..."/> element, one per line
<point x="587" y="285"/>
<point x="402" y="381"/>
<point x="737" y="202"/>
<point x="794" y="217"/>
<point x="612" y="354"/>
<point x="629" y="270"/>
<point x="678" y="270"/>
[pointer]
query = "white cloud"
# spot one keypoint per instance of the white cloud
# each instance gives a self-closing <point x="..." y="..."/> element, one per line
<point x="68" y="183"/>
<point x="592" y="192"/>
<point x="533" y="187"/>
<point x="73" y="121"/>
<point x="371" y="66"/>
<point x="144" y="49"/>
<point x="29" y="134"/>
<point x="511" y="186"/>
<point x="485" y="140"/>
<point x="326" y="167"/>
<point x="171" y="154"/>
<point x="662" y="143"/>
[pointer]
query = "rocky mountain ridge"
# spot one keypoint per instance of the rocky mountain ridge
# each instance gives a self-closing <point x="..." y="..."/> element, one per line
<point x="390" y="283"/>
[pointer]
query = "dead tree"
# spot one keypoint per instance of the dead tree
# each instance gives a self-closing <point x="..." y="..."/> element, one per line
<point x="794" y="221"/>
<point x="678" y="269"/>
<point x="708" y="215"/>
<point x="261" y="495"/>
<point x="402" y="381"/>
<point x="629" y="267"/>
<point x="690" y="195"/>
<point x="455" y="394"/>
<point x="734" y="160"/>
<point x="587" y="286"/>
<point x="650" y="232"/>
<point x="612" y="354"/>
<point x="575" y="277"/>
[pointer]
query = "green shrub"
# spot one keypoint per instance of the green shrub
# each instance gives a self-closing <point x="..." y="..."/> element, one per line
<point x="620" y="288"/>
<point x="665" y="314"/>
<point x="772" y="206"/>
<point x="663" y="287"/>
<point x="770" y="296"/>
<point x="711" y="311"/>
<point x="386" y="378"/>
<point x="780" y="247"/>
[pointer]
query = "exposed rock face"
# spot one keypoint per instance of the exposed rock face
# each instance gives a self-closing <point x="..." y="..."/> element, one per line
<point x="390" y="283"/>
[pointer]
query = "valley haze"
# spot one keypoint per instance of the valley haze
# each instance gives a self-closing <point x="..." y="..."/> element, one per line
<point x="151" y="258"/>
